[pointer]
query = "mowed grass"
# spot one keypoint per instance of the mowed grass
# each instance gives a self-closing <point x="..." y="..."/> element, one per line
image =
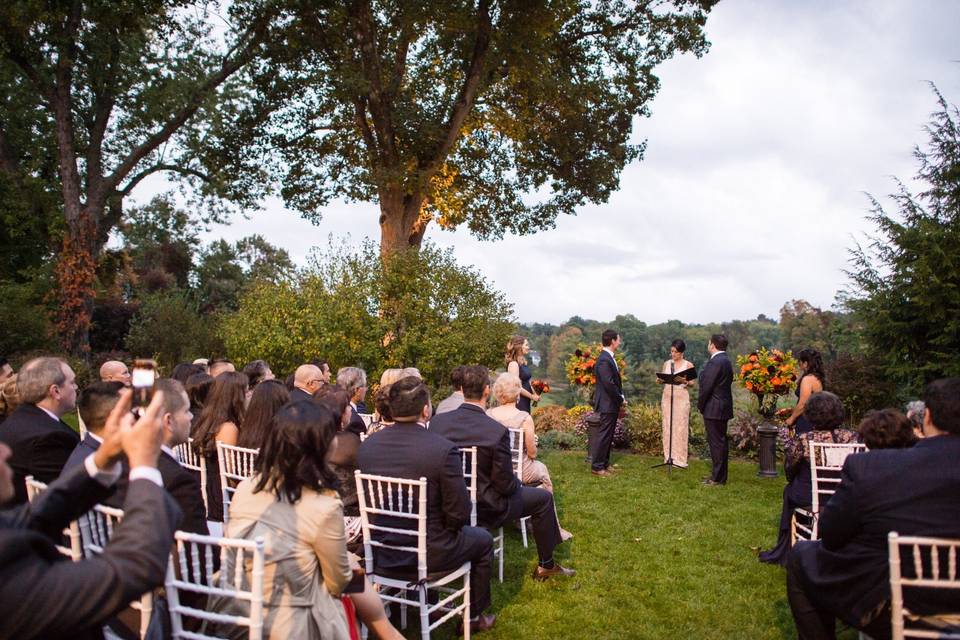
<point x="656" y="555"/>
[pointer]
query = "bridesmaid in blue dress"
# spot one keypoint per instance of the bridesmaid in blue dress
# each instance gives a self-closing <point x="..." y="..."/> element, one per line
<point x="516" y="359"/>
<point x="811" y="382"/>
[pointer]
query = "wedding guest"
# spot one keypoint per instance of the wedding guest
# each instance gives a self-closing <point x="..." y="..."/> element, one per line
<point x="825" y="413"/>
<point x="506" y="390"/>
<point x="115" y="371"/>
<point x="203" y="363"/>
<point x="516" y="360"/>
<point x="6" y="370"/>
<point x="220" y="421"/>
<point x="324" y="366"/>
<point x="915" y="412"/>
<point x="265" y="402"/>
<point x="389" y="376"/>
<point x="342" y="457"/>
<point x="40" y="442"/>
<point x="183" y="371"/>
<point x="679" y="409"/>
<point x="886" y="429"/>
<point x="291" y="502"/>
<point x="258" y="371"/>
<point x="95" y="404"/>
<point x="9" y="397"/>
<point x="382" y="417"/>
<point x="217" y="366"/>
<point x="411" y="372"/>
<point x="812" y="379"/>
<point x="455" y="399"/>
<point x="198" y="388"/>
<point x="307" y="380"/>
<point x="354" y="380"/>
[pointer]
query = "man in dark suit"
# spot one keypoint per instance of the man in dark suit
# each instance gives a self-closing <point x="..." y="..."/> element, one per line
<point x="500" y="495"/>
<point x="716" y="405"/>
<point x="42" y="593"/>
<point x="95" y="404"/>
<point x="408" y="450"/>
<point x="354" y="381"/>
<point x="306" y="381"/>
<point x="607" y="400"/>
<point x="912" y="491"/>
<point x="39" y="440"/>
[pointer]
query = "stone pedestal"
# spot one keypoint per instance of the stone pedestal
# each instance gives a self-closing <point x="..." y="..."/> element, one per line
<point x="768" y="451"/>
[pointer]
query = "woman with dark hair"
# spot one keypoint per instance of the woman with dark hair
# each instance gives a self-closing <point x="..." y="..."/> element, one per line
<point x="343" y="457"/>
<point x="183" y="371"/>
<point x="812" y="380"/>
<point x="266" y="400"/>
<point x="825" y="413"/>
<point x="291" y="502"/>
<point x="516" y="360"/>
<point x="381" y="403"/>
<point x="887" y="429"/>
<point x="681" y="406"/>
<point x="198" y="388"/>
<point x="258" y="371"/>
<point x="219" y="421"/>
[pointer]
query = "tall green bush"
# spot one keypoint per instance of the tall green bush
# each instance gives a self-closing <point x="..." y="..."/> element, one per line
<point x="354" y="308"/>
<point x="169" y="328"/>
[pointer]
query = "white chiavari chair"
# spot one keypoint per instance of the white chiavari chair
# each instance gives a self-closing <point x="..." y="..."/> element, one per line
<point x="519" y="457"/>
<point x="923" y="563"/>
<point x="826" y="463"/>
<point x="190" y="459"/>
<point x="71" y="533"/>
<point x="236" y="465"/>
<point x="469" y="462"/>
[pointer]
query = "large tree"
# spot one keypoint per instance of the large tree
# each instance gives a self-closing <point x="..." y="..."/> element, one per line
<point x="108" y="92"/>
<point x="905" y="285"/>
<point x="496" y="114"/>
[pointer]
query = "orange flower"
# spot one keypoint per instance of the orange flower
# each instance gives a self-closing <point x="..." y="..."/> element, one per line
<point x="745" y="368"/>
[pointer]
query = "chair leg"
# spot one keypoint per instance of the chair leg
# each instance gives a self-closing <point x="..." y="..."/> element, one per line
<point x="523" y="532"/>
<point x="403" y="611"/>
<point x="500" y="552"/>
<point x="466" y="604"/>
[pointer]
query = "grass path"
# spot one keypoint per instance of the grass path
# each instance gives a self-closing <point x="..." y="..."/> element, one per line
<point x="657" y="556"/>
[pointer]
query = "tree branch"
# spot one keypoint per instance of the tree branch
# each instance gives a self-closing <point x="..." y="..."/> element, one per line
<point x="136" y="179"/>
<point x="104" y="101"/>
<point x="379" y="103"/>
<point x="360" y="115"/>
<point x="400" y="60"/>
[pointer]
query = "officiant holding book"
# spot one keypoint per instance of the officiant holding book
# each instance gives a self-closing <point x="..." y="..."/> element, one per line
<point x="677" y="376"/>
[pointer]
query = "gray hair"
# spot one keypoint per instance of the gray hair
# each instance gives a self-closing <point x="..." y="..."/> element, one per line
<point x="351" y="379"/>
<point x="37" y="376"/>
<point x="506" y="388"/>
<point x="916" y="409"/>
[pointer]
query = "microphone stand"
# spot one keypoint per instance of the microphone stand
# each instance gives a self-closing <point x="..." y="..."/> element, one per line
<point x="669" y="464"/>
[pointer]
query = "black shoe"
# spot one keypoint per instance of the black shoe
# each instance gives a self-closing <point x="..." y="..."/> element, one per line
<point x="713" y="483"/>
<point x="483" y="622"/>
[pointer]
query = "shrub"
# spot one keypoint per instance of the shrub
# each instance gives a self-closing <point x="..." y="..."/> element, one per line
<point x="644" y="424"/>
<point x="743" y="433"/>
<point x="169" y="328"/>
<point x="562" y="440"/>
<point x="552" y="418"/>
<point x="621" y="437"/>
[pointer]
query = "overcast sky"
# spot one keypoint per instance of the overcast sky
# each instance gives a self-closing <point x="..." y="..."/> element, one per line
<point x="753" y="185"/>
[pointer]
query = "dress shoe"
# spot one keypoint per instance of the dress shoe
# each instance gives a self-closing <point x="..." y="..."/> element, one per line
<point x="483" y="622"/>
<point x="540" y="574"/>
<point x="602" y="473"/>
<point x="712" y="483"/>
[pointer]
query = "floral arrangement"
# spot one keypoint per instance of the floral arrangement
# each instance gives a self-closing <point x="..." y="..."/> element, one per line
<point x="767" y="374"/>
<point x="580" y="365"/>
<point x="540" y="387"/>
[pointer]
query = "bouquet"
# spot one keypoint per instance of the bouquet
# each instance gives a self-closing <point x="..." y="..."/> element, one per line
<point x="767" y="374"/>
<point x="539" y="387"/>
<point x="580" y="365"/>
<point x="783" y="414"/>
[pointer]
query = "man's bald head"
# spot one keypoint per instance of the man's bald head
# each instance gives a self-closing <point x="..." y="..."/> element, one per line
<point x="115" y="371"/>
<point x="220" y="365"/>
<point x="308" y="377"/>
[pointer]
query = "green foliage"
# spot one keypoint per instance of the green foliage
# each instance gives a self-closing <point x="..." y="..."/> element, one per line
<point x="561" y="440"/>
<point x="24" y="316"/>
<point x="553" y="418"/>
<point x="861" y="382"/>
<point x="355" y="308"/>
<point x="905" y="286"/>
<point x="644" y="423"/>
<point x="170" y="328"/>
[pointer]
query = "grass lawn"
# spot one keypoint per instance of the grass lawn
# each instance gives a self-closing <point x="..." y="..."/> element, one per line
<point x="656" y="556"/>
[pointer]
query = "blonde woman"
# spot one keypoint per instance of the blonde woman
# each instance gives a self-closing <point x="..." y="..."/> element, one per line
<point x="516" y="361"/>
<point x="506" y="390"/>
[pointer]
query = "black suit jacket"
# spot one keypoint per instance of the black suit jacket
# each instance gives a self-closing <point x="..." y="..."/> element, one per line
<point x="498" y="489"/>
<point x="911" y="491"/>
<point x="299" y="394"/>
<point x="45" y="595"/>
<point x="40" y="446"/>
<point x="356" y="424"/>
<point x="184" y="487"/>
<point x="410" y="451"/>
<point x="716" y="398"/>
<point x="88" y="446"/>
<point x="608" y="395"/>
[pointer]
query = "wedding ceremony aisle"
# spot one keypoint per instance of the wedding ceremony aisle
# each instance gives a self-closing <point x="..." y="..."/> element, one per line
<point x="656" y="556"/>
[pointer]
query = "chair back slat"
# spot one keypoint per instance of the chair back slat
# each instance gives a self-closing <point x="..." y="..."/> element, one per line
<point x="920" y="562"/>
<point x="469" y="463"/>
<point x="385" y="502"/>
<point x="516" y="451"/>
<point x="230" y="583"/>
<point x="71" y="534"/>
<point x="826" y="464"/>
<point x="236" y="465"/>
<point x="190" y="459"/>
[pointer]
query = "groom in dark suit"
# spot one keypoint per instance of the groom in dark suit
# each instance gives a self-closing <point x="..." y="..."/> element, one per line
<point x="607" y="400"/>
<point x="716" y="405"/>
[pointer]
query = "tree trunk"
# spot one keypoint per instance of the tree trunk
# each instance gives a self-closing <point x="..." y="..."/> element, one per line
<point x="402" y="220"/>
<point x="75" y="272"/>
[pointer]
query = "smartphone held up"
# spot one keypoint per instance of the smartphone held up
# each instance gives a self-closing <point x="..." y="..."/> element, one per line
<point x="143" y="377"/>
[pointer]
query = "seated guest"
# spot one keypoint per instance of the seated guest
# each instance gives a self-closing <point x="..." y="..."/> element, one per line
<point x="39" y="440"/>
<point x="291" y="502"/>
<point x="324" y="367"/>
<point x="45" y="595"/>
<point x="915" y="411"/>
<point x="824" y="413"/>
<point x="115" y="371"/>
<point x="342" y="457"/>
<point x="220" y="421"/>
<point x="9" y="397"/>
<point x="455" y="399"/>
<point x="203" y="363"/>
<point x="95" y="405"/>
<point x="389" y="376"/>
<point x="6" y="370"/>
<point x="307" y="380"/>
<point x="257" y="372"/>
<point x="354" y="380"/>
<point x="198" y="387"/>
<point x="506" y="390"/>
<point x="915" y="492"/>
<point x="183" y="371"/>
<point x="501" y="496"/>
<point x="408" y="450"/>
<point x="266" y="400"/>
<point x="216" y="366"/>
<point x="886" y="429"/>
<point x="382" y="416"/>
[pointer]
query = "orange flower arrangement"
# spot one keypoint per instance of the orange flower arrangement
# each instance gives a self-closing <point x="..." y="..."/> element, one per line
<point x="580" y="365"/>
<point x="767" y="374"/>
